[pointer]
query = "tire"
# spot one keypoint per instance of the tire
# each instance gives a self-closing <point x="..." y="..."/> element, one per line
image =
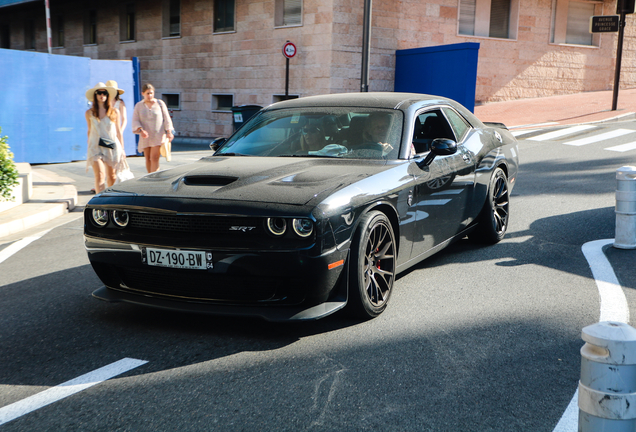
<point x="492" y="222"/>
<point x="372" y="261"/>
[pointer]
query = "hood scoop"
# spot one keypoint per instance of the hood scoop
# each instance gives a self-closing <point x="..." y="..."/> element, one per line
<point x="208" y="180"/>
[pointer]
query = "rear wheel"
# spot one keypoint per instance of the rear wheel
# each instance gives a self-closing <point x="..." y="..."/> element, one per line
<point x="492" y="222"/>
<point x="372" y="266"/>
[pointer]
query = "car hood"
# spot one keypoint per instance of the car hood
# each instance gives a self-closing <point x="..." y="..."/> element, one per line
<point x="284" y="180"/>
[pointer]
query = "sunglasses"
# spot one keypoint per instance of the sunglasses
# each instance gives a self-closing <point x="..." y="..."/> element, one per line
<point x="308" y="131"/>
<point x="101" y="93"/>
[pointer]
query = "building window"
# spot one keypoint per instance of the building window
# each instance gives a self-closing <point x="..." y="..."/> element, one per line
<point x="172" y="100"/>
<point x="58" y="31"/>
<point x="5" y="36"/>
<point x="280" y="98"/>
<point x="127" y="22"/>
<point x="489" y="18"/>
<point x="223" y="15"/>
<point x="171" y="18"/>
<point x="29" y="35"/>
<point x="90" y="27"/>
<point x="222" y="102"/>
<point x="571" y="22"/>
<point x="288" y="13"/>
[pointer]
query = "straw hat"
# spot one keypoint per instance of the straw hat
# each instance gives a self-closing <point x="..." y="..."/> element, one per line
<point x="99" y="86"/>
<point x="113" y="83"/>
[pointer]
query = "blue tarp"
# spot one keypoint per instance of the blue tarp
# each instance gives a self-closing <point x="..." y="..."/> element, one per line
<point x="43" y="104"/>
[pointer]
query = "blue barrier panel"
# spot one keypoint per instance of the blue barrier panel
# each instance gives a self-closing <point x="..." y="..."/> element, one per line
<point x="446" y="70"/>
<point x="43" y="104"/>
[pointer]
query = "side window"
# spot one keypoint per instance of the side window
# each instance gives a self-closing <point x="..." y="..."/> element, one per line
<point x="428" y="126"/>
<point x="459" y="125"/>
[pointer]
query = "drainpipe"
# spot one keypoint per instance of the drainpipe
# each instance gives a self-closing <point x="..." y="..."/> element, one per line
<point x="366" y="47"/>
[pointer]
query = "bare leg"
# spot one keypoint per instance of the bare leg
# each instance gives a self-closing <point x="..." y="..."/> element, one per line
<point x="100" y="176"/>
<point x="152" y="155"/>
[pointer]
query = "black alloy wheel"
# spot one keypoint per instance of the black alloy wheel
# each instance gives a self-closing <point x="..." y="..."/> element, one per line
<point x="493" y="219"/>
<point x="372" y="270"/>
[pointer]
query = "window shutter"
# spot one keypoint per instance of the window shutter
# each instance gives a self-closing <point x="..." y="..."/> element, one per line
<point x="467" y="17"/>
<point x="292" y="12"/>
<point x="499" y="18"/>
<point x="578" y="30"/>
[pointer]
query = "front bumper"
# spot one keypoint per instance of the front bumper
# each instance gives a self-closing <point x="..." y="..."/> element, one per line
<point x="274" y="285"/>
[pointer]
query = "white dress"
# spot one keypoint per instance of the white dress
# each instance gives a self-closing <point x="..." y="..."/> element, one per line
<point x="103" y="128"/>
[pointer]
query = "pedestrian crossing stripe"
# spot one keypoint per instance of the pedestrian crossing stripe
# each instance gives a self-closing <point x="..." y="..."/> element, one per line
<point x="623" y="147"/>
<point x="561" y="133"/>
<point x="601" y="137"/>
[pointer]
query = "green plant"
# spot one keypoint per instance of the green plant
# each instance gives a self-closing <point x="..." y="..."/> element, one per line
<point x="8" y="170"/>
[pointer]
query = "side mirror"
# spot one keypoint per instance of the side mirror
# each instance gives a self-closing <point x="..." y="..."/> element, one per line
<point x="214" y="145"/>
<point x="439" y="147"/>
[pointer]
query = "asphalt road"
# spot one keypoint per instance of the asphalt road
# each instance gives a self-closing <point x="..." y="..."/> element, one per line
<point x="474" y="339"/>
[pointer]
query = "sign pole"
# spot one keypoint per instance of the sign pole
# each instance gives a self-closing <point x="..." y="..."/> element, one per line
<point x="289" y="51"/>
<point x="286" y="78"/>
<point x="619" y="56"/>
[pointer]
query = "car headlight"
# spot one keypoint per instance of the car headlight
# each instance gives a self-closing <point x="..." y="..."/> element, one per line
<point x="100" y="217"/>
<point x="277" y="226"/>
<point x="303" y="227"/>
<point x="120" y="218"/>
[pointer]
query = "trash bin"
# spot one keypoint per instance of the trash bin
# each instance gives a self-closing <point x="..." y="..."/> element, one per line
<point x="242" y="113"/>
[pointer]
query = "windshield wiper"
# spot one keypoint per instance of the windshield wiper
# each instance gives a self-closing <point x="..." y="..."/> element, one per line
<point x="231" y="154"/>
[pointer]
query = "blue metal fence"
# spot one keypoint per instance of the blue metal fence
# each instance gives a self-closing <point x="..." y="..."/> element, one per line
<point x="445" y="70"/>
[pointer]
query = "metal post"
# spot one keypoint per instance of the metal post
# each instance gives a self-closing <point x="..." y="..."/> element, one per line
<point x="286" y="78"/>
<point x="607" y="390"/>
<point x="625" y="237"/>
<point x="366" y="46"/>
<point x="619" y="56"/>
<point x="49" y="42"/>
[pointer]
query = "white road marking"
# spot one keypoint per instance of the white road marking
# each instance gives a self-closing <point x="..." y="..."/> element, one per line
<point x="20" y="244"/>
<point x="522" y="132"/>
<point x="600" y="137"/>
<point x="54" y="394"/>
<point x="614" y="307"/>
<point x="623" y="147"/>
<point x="561" y="133"/>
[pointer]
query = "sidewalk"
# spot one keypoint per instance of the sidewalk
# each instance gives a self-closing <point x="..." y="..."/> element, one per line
<point x="578" y="108"/>
<point x="54" y="195"/>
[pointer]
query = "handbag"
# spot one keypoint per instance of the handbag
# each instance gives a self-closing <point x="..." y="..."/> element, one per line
<point x="124" y="173"/>
<point x="108" y="143"/>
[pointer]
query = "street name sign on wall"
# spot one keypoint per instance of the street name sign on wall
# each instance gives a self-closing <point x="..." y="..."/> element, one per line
<point x="604" y="24"/>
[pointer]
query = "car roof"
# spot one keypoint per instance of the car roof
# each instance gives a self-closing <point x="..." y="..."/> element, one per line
<point x="387" y="100"/>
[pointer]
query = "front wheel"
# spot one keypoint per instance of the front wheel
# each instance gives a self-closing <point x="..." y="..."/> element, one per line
<point x="492" y="222"/>
<point x="373" y="258"/>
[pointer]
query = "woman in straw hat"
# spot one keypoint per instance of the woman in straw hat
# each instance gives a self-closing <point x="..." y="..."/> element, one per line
<point x="119" y="105"/>
<point x="152" y="122"/>
<point x="103" y="122"/>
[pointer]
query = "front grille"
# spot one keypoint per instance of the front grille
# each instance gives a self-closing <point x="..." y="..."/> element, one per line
<point x="203" y="285"/>
<point x="192" y="223"/>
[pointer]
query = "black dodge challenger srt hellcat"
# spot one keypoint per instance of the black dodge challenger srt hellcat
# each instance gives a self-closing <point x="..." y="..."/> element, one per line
<point x="314" y="204"/>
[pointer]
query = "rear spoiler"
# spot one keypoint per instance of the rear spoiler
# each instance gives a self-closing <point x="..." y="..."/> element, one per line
<point x="496" y="125"/>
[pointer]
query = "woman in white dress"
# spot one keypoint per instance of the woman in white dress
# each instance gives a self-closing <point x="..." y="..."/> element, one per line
<point x="103" y="122"/>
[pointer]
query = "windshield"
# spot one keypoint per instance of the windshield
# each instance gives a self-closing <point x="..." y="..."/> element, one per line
<point x="319" y="132"/>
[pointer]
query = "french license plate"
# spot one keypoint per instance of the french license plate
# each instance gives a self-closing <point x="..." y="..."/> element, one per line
<point x="183" y="259"/>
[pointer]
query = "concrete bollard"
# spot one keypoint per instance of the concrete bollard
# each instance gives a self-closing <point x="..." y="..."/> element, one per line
<point x="607" y="389"/>
<point x="625" y="237"/>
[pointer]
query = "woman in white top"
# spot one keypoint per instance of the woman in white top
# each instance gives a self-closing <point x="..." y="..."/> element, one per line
<point x="103" y="122"/>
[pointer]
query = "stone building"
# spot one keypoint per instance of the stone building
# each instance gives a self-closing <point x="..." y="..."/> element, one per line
<point x="204" y="56"/>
